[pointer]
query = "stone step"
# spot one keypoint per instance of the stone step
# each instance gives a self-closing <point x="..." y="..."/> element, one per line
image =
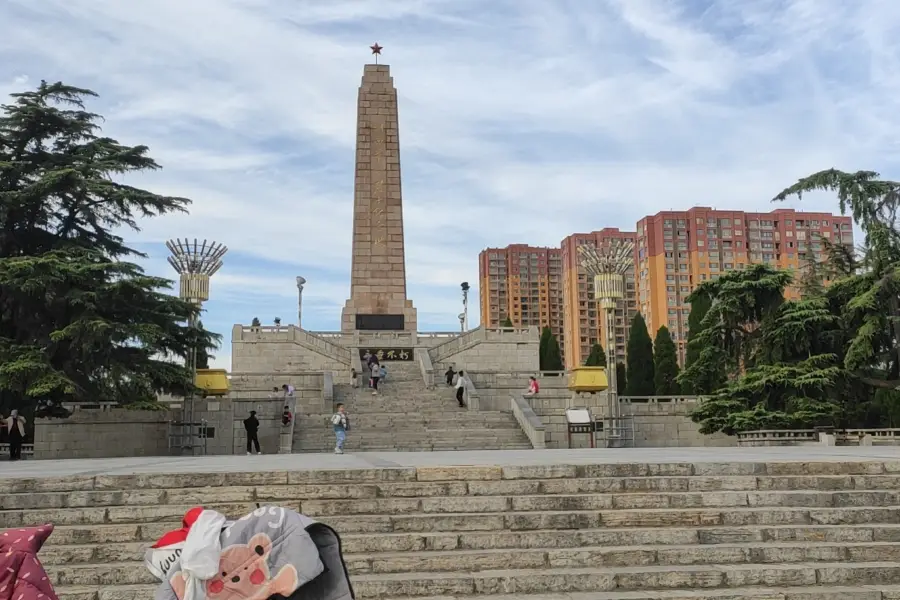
<point x="865" y="592"/>
<point x="440" y="517"/>
<point x="527" y="569"/>
<point x="79" y="505"/>
<point x="524" y="558"/>
<point x="151" y="490"/>
<point x="476" y="540"/>
<point x="431" y="427"/>
<point x="697" y="476"/>
<point x="442" y="420"/>
<point x="624" y="579"/>
<point x="627" y="556"/>
<point x="79" y="535"/>
<point x="362" y="441"/>
<point x="328" y="447"/>
<point x="416" y="435"/>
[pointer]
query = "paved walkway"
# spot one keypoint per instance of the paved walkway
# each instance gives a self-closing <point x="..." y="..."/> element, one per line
<point x="300" y="462"/>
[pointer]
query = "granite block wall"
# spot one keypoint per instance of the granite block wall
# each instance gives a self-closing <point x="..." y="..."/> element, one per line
<point x="103" y="434"/>
<point x="668" y="424"/>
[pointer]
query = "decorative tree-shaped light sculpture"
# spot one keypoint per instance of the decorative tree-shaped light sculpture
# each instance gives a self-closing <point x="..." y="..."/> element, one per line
<point x="609" y="264"/>
<point x="195" y="262"/>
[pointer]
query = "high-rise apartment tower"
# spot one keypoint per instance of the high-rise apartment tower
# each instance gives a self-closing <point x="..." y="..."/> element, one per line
<point x="677" y="250"/>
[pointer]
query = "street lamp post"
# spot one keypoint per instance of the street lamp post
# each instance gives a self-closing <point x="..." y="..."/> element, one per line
<point x="195" y="262"/>
<point x="462" y="322"/>
<point x="465" y="294"/>
<point x="608" y="265"/>
<point x="300" y="282"/>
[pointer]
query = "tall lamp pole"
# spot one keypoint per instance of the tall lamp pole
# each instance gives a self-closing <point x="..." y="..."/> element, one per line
<point x="608" y="265"/>
<point x="465" y="294"/>
<point x="300" y="282"/>
<point x="195" y="262"/>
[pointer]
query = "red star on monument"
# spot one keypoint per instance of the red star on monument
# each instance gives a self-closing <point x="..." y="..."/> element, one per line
<point x="376" y="49"/>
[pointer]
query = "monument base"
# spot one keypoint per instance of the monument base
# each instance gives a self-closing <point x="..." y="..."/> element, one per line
<point x="397" y="316"/>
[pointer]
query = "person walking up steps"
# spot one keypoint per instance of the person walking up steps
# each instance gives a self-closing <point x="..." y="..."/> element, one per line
<point x="376" y="375"/>
<point x="341" y="423"/>
<point x="460" y="388"/>
<point x="449" y="375"/>
<point x="251" y="425"/>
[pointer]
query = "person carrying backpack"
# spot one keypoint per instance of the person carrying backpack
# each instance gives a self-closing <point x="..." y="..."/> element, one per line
<point x="340" y="423"/>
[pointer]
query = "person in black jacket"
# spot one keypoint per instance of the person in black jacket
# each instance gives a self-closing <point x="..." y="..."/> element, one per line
<point x="251" y="424"/>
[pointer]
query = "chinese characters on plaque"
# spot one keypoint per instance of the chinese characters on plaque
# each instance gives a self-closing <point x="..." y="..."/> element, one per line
<point x="379" y="198"/>
<point x="387" y="353"/>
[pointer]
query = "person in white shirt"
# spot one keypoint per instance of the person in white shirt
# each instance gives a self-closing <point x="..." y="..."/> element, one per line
<point x="460" y="387"/>
<point x="376" y="375"/>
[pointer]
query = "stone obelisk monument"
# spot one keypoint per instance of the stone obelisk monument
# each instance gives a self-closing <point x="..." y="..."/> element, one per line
<point x="378" y="275"/>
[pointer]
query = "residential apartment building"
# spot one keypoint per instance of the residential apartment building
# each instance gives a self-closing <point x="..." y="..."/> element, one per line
<point x="583" y="322"/>
<point x="676" y="250"/>
<point x="523" y="283"/>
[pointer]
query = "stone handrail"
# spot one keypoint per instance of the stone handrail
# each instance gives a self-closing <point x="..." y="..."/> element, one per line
<point x="27" y="449"/>
<point x="529" y="422"/>
<point x="659" y="399"/>
<point x="101" y="406"/>
<point x="520" y="373"/>
<point x="454" y="345"/>
<point x="425" y="367"/>
<point x="780" y="437"/>
<point x="330" y="349"/>
<point x="472" y="338"/>
<point x="286" y="434"/>
<point x="356" y="363"/>
<point x="294" y="334"/>
<point x="825" y="435"/>
<point x="885" y="432"/>
<point x="470" y="395"/>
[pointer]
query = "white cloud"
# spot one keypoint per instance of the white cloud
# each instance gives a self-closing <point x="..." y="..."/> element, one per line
<point x="521" y="121"/>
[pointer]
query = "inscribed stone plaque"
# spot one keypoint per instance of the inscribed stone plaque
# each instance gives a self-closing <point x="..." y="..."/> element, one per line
<point x="379" y="322"/>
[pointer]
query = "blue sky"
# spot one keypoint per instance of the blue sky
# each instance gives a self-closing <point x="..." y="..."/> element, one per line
<point x="520" y="121"/>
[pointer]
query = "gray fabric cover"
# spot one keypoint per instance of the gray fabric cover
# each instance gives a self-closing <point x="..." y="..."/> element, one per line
<point x="273" y="551"/>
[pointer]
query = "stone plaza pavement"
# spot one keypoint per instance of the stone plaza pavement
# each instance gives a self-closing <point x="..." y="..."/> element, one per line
<point x="387" y="460"/>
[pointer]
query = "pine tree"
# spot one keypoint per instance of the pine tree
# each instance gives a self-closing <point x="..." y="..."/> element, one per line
<point x="812" y="277"/>
<point x="665" y="363"/>
<point x="507" y="323"/>
<point x="621" y="378"/>
<point x="597" y="357"/>
<point x="79" y="322"/>
<point x="639" y="355"/>
<point x="700" y="305"/>
<point x="203" y="355"/>
<point x="550" y="354"/>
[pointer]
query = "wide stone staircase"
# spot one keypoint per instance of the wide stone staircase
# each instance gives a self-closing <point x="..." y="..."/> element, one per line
<point x="741" y="531"/>
<point x="406" y="416"/>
